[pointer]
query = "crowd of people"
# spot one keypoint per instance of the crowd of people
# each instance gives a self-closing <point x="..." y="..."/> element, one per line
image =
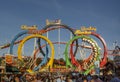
<point x="49" y="77"/>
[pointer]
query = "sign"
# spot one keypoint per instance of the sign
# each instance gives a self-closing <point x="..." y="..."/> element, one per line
<point x="25" y="27"/>
<point x="9" y="59"/>
<point x="83" y="30"/>
<point x="48" y="22"/>
<point x="58" y="66"/>
<point x="82" y="33"/>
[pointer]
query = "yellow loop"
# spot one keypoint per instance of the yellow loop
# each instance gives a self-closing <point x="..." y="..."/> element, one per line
<point x="50" y="63"/>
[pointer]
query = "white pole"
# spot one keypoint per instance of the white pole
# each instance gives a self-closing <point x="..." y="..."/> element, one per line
<point x="35" y="43"/>
<point x="47" y="35"/>
<point x="31" y="59"/>
<point x="23" y="50"/>
<point x="70" y="35"/>
<point x="59" y="43"/>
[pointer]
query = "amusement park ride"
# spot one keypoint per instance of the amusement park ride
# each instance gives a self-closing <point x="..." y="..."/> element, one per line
<point x="81" y="39"/>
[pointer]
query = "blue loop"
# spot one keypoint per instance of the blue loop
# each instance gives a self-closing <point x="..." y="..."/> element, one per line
<point x="15" y="38"/>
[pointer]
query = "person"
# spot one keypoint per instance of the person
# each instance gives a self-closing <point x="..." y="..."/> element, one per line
<point x="108" y="78"/>
<point x="89" y="77"/>
<point x="96" y="79"/>
<point x="85" y="79"/>
<point x="39" y="78"/>
<point x="92" y="80"/>
<point x="114" y="79"/>
<point x="17" y="79"/>
<point x="79" y="78"/>
<point x="62" y="79"/>
<point x="69" y="78"/>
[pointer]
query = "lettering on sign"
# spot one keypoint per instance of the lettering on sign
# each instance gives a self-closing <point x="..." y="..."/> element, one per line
<point x="85" y="31"/>
<point x="25" y="27"/>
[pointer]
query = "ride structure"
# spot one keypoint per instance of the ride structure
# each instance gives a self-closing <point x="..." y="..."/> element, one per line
<point x="80" y="40"/>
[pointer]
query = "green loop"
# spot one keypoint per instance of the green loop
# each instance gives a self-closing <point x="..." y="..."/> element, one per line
<point x="68" y="62"/>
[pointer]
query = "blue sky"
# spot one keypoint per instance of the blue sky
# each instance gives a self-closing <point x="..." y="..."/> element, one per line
<point x="102" y="14"/>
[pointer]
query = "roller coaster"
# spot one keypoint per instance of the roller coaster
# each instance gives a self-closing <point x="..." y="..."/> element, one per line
<point x="82" y="39"/>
